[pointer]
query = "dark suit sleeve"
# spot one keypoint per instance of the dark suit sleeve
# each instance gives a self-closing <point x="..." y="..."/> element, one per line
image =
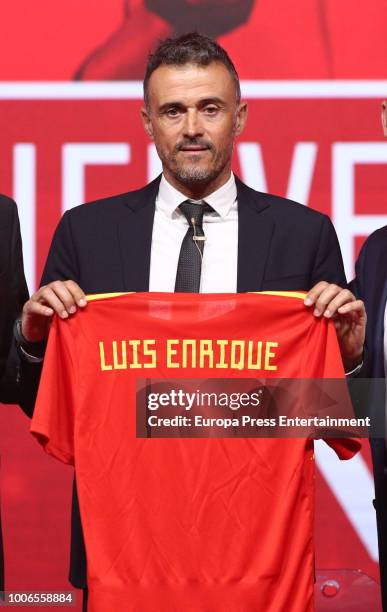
<point x="61" y="264"/>
<point x="13" y="294"/>
<point x="358" y="288"/>
<point x="328" y="262"/>
<point x="357" y="285"/>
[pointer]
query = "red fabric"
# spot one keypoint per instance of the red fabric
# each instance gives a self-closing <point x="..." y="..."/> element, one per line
<point x="174" y="524"/>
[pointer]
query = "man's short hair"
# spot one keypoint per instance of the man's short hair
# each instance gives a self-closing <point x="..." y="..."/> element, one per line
<point x="192" y="48"/>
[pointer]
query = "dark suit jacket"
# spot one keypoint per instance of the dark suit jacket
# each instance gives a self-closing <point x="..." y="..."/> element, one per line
<point x="105" y="246"/>
<point x="13" y="294"/>
<point x="370" y="285"/>
<point x="13" y="289"/>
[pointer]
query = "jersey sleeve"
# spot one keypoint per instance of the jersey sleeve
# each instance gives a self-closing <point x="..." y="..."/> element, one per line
<point x="345" y="448"/>
<point x="54" y="416"/>
<point x="322" y="360"/>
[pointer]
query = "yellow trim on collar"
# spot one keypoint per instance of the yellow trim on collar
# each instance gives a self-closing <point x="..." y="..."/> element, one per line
<point x="104" y="296"/>
<point x="300" y="295"/>
<point x="292" y="294"/>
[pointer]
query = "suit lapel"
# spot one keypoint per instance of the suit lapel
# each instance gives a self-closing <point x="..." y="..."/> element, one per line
<point x="255" y="230"/>
<point x="135" y="237"/>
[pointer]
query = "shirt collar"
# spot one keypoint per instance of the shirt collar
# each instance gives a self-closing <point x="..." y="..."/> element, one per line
<point x="221" y="200"/>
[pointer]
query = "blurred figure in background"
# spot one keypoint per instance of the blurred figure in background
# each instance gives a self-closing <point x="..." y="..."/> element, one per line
<point x="124" y="54"/>
<point x="370" y="285"/>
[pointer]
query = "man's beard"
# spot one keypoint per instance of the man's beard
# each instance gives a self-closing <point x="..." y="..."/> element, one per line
<point x="192" y="173"/>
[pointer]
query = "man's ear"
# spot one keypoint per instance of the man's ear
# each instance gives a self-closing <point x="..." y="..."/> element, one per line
<point x="147" y="122"/>
<point x="384" y="117"/>
<point x="241" y="118"/>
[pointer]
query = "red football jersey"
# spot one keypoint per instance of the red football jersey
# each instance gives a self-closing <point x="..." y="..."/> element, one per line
<point x="172" y="524"/>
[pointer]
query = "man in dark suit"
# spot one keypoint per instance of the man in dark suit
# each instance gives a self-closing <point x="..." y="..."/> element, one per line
<point x="13" y="294"/>
<point x="195" y="228"/>
<point x="370" y="284"/>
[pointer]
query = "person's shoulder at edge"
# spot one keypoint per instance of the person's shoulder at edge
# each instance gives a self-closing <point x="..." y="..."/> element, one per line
<point x="7" y="204"/>
<point x="376" y="240"/>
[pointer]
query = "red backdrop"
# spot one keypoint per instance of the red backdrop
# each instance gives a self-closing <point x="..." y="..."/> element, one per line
<point x="314" y="73"/>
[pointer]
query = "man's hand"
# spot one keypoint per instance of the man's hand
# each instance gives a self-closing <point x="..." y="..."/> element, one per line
<point x="348" y="314"/>
<point x="60" y="297"/>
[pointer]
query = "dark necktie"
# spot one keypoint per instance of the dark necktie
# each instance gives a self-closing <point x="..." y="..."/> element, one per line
<point x="190" y="259"/>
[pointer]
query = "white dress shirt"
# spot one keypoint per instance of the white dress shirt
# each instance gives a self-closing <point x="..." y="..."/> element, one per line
<point x="220" y="255"/>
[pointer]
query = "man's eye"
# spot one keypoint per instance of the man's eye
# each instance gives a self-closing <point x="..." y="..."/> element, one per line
<point x="172" y="112"/>
<point x="211" y="110"/>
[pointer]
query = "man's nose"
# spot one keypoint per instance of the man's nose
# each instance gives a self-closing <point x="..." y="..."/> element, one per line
<point x="192" y="125"/>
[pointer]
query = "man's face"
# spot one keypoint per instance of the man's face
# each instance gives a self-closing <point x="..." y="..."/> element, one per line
<point x="193" y="118"/>
<point x="384" y="117"/>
